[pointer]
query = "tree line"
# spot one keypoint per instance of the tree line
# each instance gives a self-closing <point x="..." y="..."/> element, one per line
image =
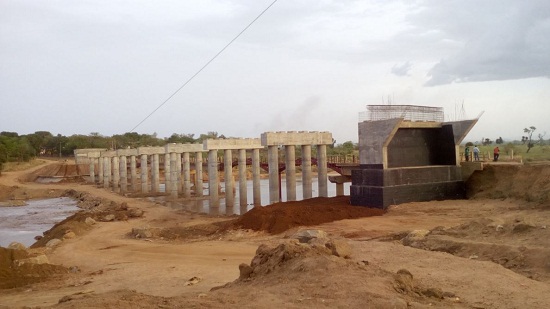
<point x="22" y="148"/>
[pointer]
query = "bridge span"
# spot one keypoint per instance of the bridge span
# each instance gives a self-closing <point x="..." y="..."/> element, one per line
<point x="139" y="169"/>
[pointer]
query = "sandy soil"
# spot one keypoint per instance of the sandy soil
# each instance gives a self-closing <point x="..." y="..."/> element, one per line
<point x="490" y="251"/>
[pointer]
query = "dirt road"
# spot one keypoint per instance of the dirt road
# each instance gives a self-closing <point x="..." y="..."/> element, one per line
<point x="490" y="251"/>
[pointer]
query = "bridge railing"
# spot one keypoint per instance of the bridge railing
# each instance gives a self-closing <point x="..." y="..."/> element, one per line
<point x="343" y="159"/>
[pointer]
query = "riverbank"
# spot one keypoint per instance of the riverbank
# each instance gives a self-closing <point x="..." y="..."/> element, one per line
<point x="486" y="252"/>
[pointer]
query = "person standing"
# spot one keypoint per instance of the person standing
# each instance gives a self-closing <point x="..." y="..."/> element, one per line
<point x="496" y="153"/>
<point x="467" y="153"/>
<point x="476" y="153"/>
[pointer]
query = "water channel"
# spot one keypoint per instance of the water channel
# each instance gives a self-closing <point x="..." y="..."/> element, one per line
<point x="23" y="223"/>
<point x="203" y="205"/>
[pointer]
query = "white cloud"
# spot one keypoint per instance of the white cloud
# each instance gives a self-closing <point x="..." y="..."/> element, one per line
<point x="402" y="69"/>
<point x="500" y="40"/>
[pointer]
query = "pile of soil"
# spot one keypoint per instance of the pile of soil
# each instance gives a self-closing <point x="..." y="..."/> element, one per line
<point x="279" y="217"/>
<point x="13" y="275"/>
<point x="300" y="271"/>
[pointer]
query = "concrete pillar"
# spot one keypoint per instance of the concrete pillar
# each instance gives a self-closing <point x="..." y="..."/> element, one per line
<point x="116" y="173"/>
<point x="273" y="161"/>
<point x="322" y="172"/>
<point x="186" y="175"/>
<point x="173" y="175"/>
<point x="242" y="177"/>
<point x="306" y="171"/>
<point x="198" y="174"/>
<point x="228" y="176"/>
<point x="109" y="171"/>
<point x="155" y="173"/>
<point x="123" y="174"/>
<point x="167" y="173"/>
<point x="256" y="191"/>
<point x="133" y="173"/>
<point x="144" y="174"/>
<point x="106" y="172"/>
<point x="179" y="172"/>
<point x="92" y="170"/>
<point x="290" y="163"/>
<point x="100" y="170"/>
<point x="213" y="180"/>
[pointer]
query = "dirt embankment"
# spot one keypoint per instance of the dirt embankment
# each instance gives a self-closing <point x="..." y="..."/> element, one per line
<point x="487" y="252"/>
<point x="522" y="182"/>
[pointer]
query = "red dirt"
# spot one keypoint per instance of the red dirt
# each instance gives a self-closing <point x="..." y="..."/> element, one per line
<point x="279" y="217"/>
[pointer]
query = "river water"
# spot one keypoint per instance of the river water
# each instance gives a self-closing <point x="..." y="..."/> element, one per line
<point x="23" y="223"/>
<point x="203" y="205"/>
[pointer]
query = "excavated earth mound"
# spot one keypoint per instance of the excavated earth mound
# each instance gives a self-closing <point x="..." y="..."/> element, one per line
<point x="279" y="217"/>
<point x="19" y="268"/>
<point x="291" y="266"/>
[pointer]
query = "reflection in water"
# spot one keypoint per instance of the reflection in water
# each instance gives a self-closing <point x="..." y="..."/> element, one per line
<point x="203" y="205"/>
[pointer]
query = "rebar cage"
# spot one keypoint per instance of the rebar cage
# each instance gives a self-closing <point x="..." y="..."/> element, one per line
<point x="408" y="112"/>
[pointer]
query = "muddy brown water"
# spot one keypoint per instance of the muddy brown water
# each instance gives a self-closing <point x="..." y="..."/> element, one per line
<point x="23" y="223"/>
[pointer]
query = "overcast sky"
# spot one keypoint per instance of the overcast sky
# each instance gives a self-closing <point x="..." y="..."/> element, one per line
<point x="76" y="67"/>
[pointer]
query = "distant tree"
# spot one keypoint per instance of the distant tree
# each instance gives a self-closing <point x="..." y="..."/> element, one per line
<point x="9" y="134"/>
<point x="499" y="141"/>
<point x="469" y="144"/>
<point x="524" y="139"/>
<point x="181" y="138"/>
<point x="486" y="141"/>
<point x="208" y="135"/>
<point x="346" y="148"/>
<point x="529" y="136"/>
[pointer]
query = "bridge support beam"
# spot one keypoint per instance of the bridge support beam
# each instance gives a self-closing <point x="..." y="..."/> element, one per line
<point x="227" y="145"/>
<point x="155" y="171"/>
<point x="186" y="175"/>
<point x="173" y="185"/>
<point x="306" y="140"/>
<point x="242" y="178"/>
<point x="133" y="172"/>
<point x="167" y="174"/>
<point x="256" y="191"/>
<point x="274" y="185"/>
<point x="322" y="171"/>
<point x="144" y="173"/>
<point x="228" y="178"/>
<point x="100" y="170"/>
<point x="213" y="180"/>
<point x="290" y="172"/>
<point x="123" y="170"/>
<point x="199" y="188"/>
<point x="92" y="170"/>
<point x="306" y="172"/>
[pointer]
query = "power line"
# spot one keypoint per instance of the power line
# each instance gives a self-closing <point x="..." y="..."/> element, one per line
<point x="204" y="66"/>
